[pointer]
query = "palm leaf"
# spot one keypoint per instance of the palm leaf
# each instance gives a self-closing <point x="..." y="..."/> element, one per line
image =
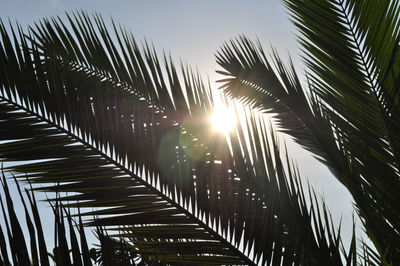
<point x="349" y="120"/>
<point x="99" y="120"/>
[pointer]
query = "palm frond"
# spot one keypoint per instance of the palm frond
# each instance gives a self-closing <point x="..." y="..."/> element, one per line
<point x="349" y="119"/>
<point x="101" y="122"/>
<point x="271" y="88"/>
<point x="349" y="58"/>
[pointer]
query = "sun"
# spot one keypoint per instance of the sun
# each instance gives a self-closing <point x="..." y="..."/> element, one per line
<point x="223" y="120"/>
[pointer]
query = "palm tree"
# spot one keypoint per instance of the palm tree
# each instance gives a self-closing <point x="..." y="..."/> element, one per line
<point x="95" y="115"/>
<point x="348" y="114"/>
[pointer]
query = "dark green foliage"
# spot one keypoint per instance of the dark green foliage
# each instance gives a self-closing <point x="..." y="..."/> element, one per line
<point x="66" y="252"/>
<point x="17" y="244"/>
<point x="128" y="136"/>
<point x="348" y="116"/>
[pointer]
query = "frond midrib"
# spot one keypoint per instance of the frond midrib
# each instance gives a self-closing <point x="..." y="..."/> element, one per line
<point x="373" y="85"/>
<point x="110" y="160"/>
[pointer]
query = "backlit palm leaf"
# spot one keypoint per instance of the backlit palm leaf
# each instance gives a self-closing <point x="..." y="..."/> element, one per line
<point x="350" y="117"/>
<point x="102" y="118"/>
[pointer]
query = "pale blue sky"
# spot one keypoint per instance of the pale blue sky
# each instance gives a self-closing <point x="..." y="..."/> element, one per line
<point x="193" y="31"/>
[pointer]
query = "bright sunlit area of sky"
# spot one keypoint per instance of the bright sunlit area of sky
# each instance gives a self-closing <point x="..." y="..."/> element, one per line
<point x="192" y="31"/>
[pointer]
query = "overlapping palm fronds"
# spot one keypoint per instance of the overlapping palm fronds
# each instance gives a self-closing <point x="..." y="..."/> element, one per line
<point x="70" y="247"/>
<point x="102" y="118"/>
<point x="15" y="247"/>
<point x="348" y="116"/>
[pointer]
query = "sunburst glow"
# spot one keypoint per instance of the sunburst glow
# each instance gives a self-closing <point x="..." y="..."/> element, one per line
<point x="223" y="120"/>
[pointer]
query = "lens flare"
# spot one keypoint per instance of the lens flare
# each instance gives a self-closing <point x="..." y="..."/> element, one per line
<point x="223" y="120"/>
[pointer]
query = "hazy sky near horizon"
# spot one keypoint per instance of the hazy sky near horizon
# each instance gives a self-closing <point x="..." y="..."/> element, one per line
<point x="192" y="31"/>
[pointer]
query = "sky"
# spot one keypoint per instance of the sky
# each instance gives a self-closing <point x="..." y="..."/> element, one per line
<point x="192" y="31"/>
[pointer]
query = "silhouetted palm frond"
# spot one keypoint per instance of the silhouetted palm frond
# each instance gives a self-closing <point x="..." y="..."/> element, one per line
<point x="348" y="116"/>
<point x="100" y="117"/>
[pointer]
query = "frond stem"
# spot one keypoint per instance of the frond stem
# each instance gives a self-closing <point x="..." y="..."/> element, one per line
<point x="371" y="83"/>
<point x="212" y="232"/>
